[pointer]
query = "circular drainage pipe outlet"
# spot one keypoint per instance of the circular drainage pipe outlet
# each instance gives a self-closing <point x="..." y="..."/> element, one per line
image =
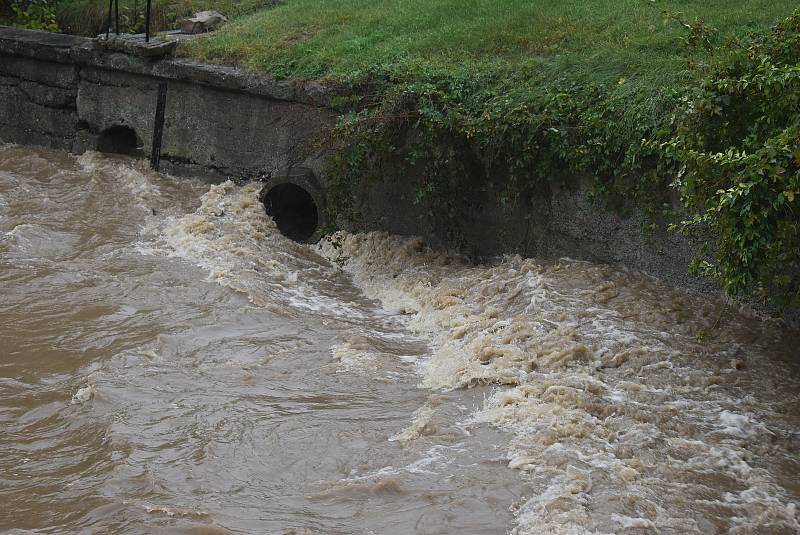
<point x="294" y="202"/>
<point x="119" y="139"/>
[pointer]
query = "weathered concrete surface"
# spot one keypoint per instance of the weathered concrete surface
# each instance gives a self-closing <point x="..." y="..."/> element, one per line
<point x="62" y="91"/>
<point x="137" y="45"/>
<point x="575" y="224"/>
<point x="549" y="222"/>
<point x="37" y="103"/>
<point x="81" y="51"/>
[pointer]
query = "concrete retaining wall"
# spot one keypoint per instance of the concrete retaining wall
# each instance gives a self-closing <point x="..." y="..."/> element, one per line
<point x="60" y="91"/>
<point x="551" y="222"/>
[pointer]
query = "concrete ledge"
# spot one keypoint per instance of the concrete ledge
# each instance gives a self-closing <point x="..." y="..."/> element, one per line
<point x="135" y="45"/>
<point x="25" y="42"/>
<point x="83" y="51"/>
<point x="65" y="91"/>
<point x="46" y="72"/>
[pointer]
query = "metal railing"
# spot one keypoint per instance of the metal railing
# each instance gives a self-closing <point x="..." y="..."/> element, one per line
<point x="113" y="8"/>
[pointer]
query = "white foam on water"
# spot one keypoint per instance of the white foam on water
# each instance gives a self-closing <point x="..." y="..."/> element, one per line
<point x="84" y="394"/>
<point x="420" y="425"/>
<point x="240" y="246"/>
<point x="355" y="355"/>
<point x="31" y="240"/>
<point x="139" y="183"/>
<point x="620" y="418"/>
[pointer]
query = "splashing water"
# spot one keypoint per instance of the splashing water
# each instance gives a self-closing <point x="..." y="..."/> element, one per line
<point x="230" y="380"/>
<point x="621" y="417"/>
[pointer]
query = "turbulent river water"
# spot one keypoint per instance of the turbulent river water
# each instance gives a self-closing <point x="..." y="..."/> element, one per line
<point x="169" y="363"/>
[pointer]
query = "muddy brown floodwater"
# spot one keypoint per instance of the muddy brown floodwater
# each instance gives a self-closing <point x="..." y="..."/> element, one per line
<point x="169" y="363"/>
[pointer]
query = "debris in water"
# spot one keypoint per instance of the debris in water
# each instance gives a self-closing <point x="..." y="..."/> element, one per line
<point x="84" y="394"/>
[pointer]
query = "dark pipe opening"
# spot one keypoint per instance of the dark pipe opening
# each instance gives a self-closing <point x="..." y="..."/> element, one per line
<point x="294" y="211"/>
<point x="119" y="140"/>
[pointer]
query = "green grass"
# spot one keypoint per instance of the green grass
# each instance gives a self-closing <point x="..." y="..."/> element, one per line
<point x="604" y="40"/>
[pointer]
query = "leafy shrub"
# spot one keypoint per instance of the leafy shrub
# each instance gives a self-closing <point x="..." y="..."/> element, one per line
<point x="736" y="146"/>
<point x="34" y="14"/>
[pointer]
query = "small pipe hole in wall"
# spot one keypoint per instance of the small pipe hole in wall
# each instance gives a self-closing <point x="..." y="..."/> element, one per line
<point x="294" y="211"/>
<point x="119" y="140"/>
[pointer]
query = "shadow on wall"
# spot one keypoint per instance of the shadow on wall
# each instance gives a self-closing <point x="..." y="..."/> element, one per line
<point x="120" y="140"/>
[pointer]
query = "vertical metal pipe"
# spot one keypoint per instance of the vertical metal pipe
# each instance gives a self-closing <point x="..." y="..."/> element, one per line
<point x="147" y="22"/>
<point x="108" y="28"/>
<point x="158" y="126"/>
<point x="116" y="15"/>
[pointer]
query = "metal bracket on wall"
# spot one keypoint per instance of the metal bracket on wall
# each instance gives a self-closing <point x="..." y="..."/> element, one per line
<point x="158" y="126"/>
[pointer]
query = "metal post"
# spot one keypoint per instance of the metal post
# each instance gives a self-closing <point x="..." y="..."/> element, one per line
<point x="147" y="22"/>
<point x="158" y="126"/>
<point x="108" y="28"/>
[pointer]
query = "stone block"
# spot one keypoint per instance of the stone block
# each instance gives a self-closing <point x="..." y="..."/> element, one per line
<point x="17" y="110"/>
<point x="9" y="80"/>
<point x="205" y="21"/>
<point x="44" y="72"/>
<point x="53" y="97"/>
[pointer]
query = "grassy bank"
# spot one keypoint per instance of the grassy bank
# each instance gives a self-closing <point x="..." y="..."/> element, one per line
<point x="649" y="98"/>
<point x="601" y="40"/>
